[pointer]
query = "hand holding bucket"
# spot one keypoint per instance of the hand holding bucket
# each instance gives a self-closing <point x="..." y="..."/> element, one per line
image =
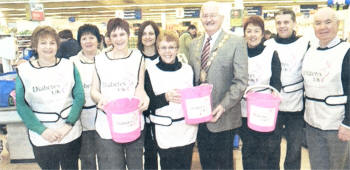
<point x="262" y="108"/>
<point x="124" y="119"/>
<point x="196" y="103"/>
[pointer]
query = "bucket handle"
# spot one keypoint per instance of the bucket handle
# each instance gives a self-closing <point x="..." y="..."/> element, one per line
<point x="276" y="92"/>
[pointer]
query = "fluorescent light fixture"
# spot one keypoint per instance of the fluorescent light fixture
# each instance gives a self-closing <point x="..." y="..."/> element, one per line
<point x="130" y="6"/>
<point x="154" y="10"/>
<point x="16" y="14"/>
<point x="157" y="13"/>
<point x="283" y="6"/>
<point x="57" y="13"/>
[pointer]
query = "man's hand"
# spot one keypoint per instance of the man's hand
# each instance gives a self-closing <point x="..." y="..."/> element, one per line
<point x="217" y="112"/>
<point x="344" y="133"/>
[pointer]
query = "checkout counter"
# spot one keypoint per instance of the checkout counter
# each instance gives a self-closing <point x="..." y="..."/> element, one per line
<point x="19" y="146"/>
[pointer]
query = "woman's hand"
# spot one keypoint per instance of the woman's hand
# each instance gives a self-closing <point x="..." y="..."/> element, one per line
<point x="173" y="96"/>
<point x="64" y="130"/>
<point x="51" y="135"/>
<point x="144" y="100"/>
<point x="101" y="103"/>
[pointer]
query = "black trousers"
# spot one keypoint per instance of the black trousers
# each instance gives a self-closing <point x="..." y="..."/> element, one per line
<point x="150" y="148"/>
<point x="88" y="150"/>
<point x="176" y="158"/>
<point x="291" y="125"/>
<point x="259" y="150"/>
<point x="51" y="157"/>
<point x="215" y="149"/>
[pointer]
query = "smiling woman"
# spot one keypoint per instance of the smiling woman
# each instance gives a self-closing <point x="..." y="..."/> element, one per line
<point x="263" y="69"/>
<point x="127" y="68"/>
<point x="52" y="113"/>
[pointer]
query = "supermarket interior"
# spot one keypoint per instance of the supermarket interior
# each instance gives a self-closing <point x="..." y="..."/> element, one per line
<point x="19" y="18"/>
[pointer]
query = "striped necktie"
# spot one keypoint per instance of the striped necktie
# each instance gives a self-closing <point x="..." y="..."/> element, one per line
<point x="205" y="55"/>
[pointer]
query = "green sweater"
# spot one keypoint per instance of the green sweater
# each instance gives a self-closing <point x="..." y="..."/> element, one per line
<point x="29" y="118"/>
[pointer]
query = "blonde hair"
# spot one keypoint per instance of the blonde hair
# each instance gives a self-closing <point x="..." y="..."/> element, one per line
<point x="169" y="36"/>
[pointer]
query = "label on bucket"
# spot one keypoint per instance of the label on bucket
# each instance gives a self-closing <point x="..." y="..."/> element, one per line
<point x="262" y="116"/>
<point x="198" y="107"/>
<point x="125" y="123"/>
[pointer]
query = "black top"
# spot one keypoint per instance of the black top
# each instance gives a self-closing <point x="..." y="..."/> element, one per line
<point x="155" y="56"/>
<point x="68" y="48"/>
<point x="158" y="101"/>
<point x="288" y="40"/>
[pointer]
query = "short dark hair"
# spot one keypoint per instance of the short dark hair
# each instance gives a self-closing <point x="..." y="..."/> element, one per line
<point x="267" y="32"/>
<point x="115" y="23"/>
<point x="285" y="11"/>
<point x="255" y="20"/>
<point x="89" y="29"/>
<point x="140" y="33"/>
<point x="42" y="31"/>
<point x="65" y="34"/>
<point x="191" y="27"/>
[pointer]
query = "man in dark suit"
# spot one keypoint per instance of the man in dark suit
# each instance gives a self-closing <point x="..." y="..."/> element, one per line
<point x="219" y="58"/>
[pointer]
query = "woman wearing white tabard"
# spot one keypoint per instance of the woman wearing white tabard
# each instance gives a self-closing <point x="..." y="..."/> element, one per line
<point x="49" y="97"/>
<point x="89" y="39"/>
<point x="146" y="43"/>
<point x="264" y="68"/>
<point x="175" y="138"/>
<point x="119" y="73"/>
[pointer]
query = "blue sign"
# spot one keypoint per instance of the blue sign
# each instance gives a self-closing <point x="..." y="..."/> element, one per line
<point x="191" y="12"/>
<point x="307" y="8"/>
<point x="71" y="19"/>
<point x="330" y="2"/>
<point x="133" y="14"/>
<point x="254" y="10"/>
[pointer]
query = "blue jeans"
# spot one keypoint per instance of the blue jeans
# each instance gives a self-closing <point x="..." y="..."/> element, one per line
<point x="112" y="155"/>
<point x="326" y="151"/>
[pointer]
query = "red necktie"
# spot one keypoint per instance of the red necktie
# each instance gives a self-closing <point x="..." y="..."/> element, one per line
<point x="205" y="55"/>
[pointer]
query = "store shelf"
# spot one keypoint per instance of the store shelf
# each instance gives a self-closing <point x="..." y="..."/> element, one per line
<point x="23" y="42"/>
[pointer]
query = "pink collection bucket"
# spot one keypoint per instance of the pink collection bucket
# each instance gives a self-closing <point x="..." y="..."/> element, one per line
<point x="124" y="119"/>
<point x="196" y="103"/>
<point x="262" y="108"/>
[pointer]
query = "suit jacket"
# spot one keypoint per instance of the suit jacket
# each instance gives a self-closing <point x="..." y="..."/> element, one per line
<point x="228" y="73"/>
<point x="184" y="42"/>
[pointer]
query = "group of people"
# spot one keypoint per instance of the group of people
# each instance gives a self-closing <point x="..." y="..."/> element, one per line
<point x="61" y="101"/>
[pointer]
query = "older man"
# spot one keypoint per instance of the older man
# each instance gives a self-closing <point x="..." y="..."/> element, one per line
<point x="219" y="58"/>
<point x="326" y="75"/>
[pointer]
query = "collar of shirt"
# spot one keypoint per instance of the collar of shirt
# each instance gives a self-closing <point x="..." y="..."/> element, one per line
<point x="333" y="43"/>
<point x="213" y="38"/>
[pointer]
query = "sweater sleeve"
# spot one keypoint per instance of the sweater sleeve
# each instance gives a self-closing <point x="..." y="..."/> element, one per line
<point x="78" y="99"/>
<point x="345" y="77"/>
<point x="275" y="80"/>
<point x="25" y="112"/>
<point x="156" y="101"/>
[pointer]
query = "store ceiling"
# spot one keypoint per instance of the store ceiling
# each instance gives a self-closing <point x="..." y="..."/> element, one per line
<point x="13" y="10"/>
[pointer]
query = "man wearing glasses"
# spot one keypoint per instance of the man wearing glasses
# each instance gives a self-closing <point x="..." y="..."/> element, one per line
<point x="220" y="59"/>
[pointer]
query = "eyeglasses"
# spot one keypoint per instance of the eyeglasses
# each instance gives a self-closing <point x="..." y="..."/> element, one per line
<point x="209" y="15"/>
<point x="163" y="48"/>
